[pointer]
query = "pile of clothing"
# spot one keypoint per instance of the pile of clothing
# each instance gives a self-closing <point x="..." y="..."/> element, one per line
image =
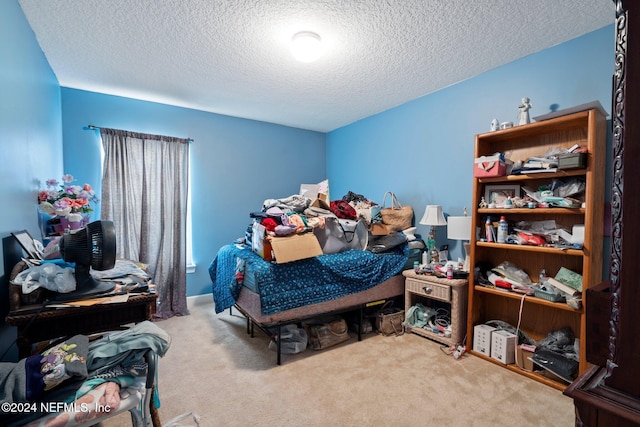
<point x="348" y="219"/>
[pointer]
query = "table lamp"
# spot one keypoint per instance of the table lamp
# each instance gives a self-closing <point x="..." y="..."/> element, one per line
<point x="459" y="228"/>
<point x="433" y="216"/>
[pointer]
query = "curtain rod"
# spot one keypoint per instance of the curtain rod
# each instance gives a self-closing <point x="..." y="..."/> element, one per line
<point x="93" y="127"/>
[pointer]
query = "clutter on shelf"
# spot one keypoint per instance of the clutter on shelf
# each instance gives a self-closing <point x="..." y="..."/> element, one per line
<point x="556" y="355"/>
<point x="551" y="160"/>
<point x="566" y="286"/>
<point x="545" y="233"/>
<point x="545" y="183"/>
<point x="561" y="193"/>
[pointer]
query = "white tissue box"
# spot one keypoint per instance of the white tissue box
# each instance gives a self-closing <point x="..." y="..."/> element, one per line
<point x="503" y="347"/>
<point x="482" y="339"/>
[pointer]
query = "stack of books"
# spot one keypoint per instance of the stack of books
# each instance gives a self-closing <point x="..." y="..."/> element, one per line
<point x="539" y="164"/>
<point x="567" y="281"/>
<point x="546" y="163"/>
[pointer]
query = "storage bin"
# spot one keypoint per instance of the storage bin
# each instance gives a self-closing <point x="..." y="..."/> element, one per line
<point x="489" y="166"/>
<point x="549" y="296"/>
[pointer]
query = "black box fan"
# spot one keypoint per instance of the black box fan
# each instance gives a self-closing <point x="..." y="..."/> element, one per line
<point x="93" y="246"/>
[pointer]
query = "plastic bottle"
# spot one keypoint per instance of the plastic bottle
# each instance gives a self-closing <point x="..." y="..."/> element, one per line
<point x="489" y="230"/>
<point x="503" y="230"/>
<point x="543" y="277"/>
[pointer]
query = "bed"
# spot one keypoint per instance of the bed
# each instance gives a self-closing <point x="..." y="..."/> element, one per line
<point x="272" y="295"/>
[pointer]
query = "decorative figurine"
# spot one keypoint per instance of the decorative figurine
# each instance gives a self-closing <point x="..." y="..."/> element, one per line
<point x="508" y="204"/>
<point x="483" y="203"/>
<point x="435" y="256"/>
<point x="523" y="115"/>
<point x="495" y="125"/>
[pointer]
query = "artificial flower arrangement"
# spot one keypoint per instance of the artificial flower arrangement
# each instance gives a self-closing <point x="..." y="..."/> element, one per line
<point x="64" y="200"/>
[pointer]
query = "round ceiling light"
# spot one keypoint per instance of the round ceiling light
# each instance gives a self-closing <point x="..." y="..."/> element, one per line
<point x="306" y="46"/>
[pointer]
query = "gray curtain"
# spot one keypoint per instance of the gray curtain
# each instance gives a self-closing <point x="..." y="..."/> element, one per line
<point x="144" y="193"/>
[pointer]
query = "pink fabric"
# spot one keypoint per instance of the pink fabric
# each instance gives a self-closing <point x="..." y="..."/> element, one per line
<point x="102" y="402"/>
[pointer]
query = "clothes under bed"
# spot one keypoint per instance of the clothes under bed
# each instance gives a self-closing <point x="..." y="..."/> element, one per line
<point x="286" y="286"/>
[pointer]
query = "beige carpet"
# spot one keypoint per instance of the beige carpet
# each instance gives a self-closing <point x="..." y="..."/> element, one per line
<point x="215" y="370"/>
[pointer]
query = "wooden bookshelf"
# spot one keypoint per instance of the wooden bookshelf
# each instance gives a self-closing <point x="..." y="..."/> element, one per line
<point x="539" y="316"/>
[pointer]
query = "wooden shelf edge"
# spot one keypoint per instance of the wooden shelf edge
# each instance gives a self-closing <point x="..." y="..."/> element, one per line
<point x="529" y="299"/>
<point x="528" y="177"/>
<point x="528" y="248"/>
<point x="569" y="121"/>
<point x="537" y="375"/>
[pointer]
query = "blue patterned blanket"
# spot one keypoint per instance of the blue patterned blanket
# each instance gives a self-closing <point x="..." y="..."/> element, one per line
<point x="299" y="283"/>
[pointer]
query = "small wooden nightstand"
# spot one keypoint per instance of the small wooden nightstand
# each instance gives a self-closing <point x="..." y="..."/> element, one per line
<point x="434" y="292"/>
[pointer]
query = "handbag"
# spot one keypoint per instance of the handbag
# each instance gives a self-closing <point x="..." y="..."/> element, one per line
<point x="326" y="332"/>
<point x="396" y="217"/>
<point x="339" y="235"/>
<point x="390" y="320"/>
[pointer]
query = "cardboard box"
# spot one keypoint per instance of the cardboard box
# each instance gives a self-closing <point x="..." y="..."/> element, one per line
<point x="321" y="202"/>
<point x="503" y="346"/>
<point x="525" y="352"/>
<point x="295" y="247"/>
<point x="487" y="166"/>
<point x="482" y="339"/>
<point x="259" y="244"/>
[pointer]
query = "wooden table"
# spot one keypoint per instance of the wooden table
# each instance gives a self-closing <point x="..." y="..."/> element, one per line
<point x="34" y="326"/>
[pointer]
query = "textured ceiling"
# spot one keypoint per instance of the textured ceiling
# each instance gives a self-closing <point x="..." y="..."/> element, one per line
<point x="232" y="57"/>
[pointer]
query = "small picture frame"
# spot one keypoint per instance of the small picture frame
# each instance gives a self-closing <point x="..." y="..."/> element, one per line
<point x="498" y="194"/>
<point x="26" y="241"/>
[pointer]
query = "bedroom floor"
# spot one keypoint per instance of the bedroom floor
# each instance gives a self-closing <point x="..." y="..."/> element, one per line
<point x="215" y="370"/>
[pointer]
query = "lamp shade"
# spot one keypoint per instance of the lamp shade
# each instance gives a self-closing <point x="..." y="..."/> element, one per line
<point x="459" y="228"/>
<point x="433" y="216"/>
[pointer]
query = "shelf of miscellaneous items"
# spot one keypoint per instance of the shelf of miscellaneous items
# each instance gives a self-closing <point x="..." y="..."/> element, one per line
<point x="536" y="312"/>
<point x="530" y="299"/>
<point x="530" y="248"/>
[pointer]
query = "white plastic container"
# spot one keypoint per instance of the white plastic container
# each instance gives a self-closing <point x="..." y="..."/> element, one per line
<point x="294" y="340"/>
<point x="503" y="230"/>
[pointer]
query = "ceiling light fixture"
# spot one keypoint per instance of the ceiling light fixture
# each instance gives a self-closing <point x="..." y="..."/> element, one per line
<point x="306" y="46"/>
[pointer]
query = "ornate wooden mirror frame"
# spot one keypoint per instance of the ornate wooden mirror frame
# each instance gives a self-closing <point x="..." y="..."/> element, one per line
<point x="608" y="393"/>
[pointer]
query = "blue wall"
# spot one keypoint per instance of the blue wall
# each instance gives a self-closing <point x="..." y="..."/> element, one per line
<point x="30" y="120"/>
<point x="235" y="163"/>
<point x="30" y="135"/>
<point x="423" y="150"/>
